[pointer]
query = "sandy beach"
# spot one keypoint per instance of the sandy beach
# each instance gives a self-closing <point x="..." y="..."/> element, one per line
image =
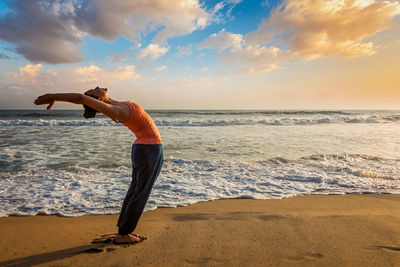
<point x="341" y="230"/>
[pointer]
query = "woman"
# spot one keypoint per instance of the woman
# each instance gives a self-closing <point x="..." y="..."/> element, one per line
<point x="147" y="154"/>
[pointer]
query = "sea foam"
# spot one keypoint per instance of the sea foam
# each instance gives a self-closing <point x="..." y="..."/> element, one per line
<point x="76" y="191"/>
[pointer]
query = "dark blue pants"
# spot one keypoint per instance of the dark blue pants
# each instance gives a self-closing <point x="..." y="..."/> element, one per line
<point x="147" y="161"/>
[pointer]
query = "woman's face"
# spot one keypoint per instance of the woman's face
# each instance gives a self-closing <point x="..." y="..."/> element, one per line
<point x="100" y="93"/>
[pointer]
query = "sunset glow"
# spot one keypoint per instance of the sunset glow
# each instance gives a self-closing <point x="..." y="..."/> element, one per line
<point x="291" y="54"/>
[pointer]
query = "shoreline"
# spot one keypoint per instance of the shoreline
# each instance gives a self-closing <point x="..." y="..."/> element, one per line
<point x="188" y="205"/>
<point x="315" y="230"/>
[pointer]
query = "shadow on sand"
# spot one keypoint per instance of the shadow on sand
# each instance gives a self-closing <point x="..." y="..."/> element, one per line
<point x="104" y="243"/>
<point x="51" y="256"/>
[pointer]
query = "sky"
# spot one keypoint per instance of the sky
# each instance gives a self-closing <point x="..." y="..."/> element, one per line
<point x="196" y="54"/>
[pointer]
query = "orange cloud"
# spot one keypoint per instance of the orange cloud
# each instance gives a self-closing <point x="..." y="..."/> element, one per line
<point x="222" y="41"/>
<point x="247" y="58"/>
<point x="27" y="73"/>
<point x="306" y="29"/>
<point x="30" y="70"/>
<point x="321" y="28"/>
<point x="93" y="73"/>
<point x="254" y="58"/>
<point x="74" y="78"/>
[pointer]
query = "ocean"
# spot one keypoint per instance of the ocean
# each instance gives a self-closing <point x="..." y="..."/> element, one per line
<point x="57" y="162"/>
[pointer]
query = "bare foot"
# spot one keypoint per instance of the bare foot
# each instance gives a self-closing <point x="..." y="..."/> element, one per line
<point x="127" y="239"/>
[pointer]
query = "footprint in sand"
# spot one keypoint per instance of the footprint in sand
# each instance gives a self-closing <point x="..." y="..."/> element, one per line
<point x="306" y="256"/>
<point x="392" y="248"/>
<point x="104" y="243"/>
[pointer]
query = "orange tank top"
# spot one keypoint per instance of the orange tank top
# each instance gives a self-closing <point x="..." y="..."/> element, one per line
<point x="142" y="126"/>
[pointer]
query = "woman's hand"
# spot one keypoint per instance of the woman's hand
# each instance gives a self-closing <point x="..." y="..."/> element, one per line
<point x="46" y="99"/>
<point x="99" y="93"/>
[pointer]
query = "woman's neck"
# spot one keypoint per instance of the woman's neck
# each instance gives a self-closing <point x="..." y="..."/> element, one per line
<point x="109" y="100"/>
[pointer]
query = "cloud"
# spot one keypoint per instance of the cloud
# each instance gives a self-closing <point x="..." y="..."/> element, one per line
<point x="84" y="76"/>
<point x="247" y="58"/>
<point x="221" y="12"/>
<point x="38" y="35"/>
<point x="161" y="68"/>
<point x="51" y="31"/>
<point x="32" y="81"/>
<point x="184" y="51"/>
<point x="27" y="73"/>
<point x="321" y="28"/>
<point x="152" y="51"/>
<point x="93" y="73"/>
<point x="118" y="57"/>
<point x="222" y="40"/>
<point x="218" y="7"/>
<point x="131" y="19"/>
<point x="3" y="56"/>
<point x="305" y="29"/>
<point x="30" y="70"/>
<point x="136" y="46"/>
<point x="254" y="58"/>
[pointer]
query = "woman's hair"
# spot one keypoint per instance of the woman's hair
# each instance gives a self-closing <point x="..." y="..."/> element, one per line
<point x="89" y="112"/>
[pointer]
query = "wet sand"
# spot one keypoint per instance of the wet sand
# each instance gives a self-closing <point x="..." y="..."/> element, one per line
<point x="345" y="230"/>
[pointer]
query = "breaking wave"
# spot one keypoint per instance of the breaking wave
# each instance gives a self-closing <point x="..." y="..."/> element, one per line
<point x="74" y="191"/>
<point x="208" y="122"/>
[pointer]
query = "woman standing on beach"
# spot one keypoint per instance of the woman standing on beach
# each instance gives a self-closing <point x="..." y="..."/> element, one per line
<point x="147" y="154"/>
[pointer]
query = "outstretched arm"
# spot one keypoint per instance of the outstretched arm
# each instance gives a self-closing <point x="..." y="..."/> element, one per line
<point x="115" y="112"/>
<point x="52" y="98"/>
